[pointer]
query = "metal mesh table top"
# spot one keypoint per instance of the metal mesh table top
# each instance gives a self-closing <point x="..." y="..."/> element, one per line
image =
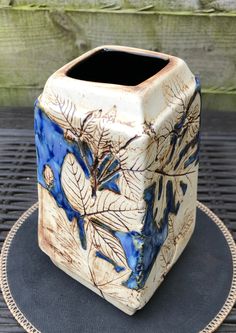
<point x="18" y="184"/>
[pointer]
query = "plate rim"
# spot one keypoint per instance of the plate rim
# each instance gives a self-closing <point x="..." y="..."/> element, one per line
<point x="30" y="328"/>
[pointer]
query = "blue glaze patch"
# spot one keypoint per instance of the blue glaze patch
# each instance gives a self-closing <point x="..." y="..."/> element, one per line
<point x="183" y="187"/>
<point x="178" y="134"/>
<point x="103" y="164"/>
<point x="198" y="83"/>
<point x="111" y="184"/>
<point x="107" y="174"/>
<point x="192" y="158"/>
<point x="51" y="149"/>
<point x="117" y="268"/>
<point x="113" y="165"/>
<point x="87" y="153"/>
<point x="141" y="249"/>
<point x="160" y="187"/>
<point x="132" y="243"/>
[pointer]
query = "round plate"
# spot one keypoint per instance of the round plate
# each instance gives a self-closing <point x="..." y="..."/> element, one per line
<point x="196" y="295"/>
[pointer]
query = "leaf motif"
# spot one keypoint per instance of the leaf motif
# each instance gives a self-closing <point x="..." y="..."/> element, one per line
<point x="139" y="155"/>
<point x="48" y="176"/>
<point x="168" y="248"/>
<point x="104" y="241"/>
<point x="75" y="185"/>
<point x="184" y="131"/>
<point x="175" y="92"/>
<point x="130" y="184"/>
<point x="60" y="236"/>
<point x="88" y="124"/>
<point x="134" y="165"/>
<point x="94" y="128"/>
<point x="186" y="226"/>
<point x="101" y="140"/>
<point x="70" y="136"/>
<point x="107" y="174"/>
<point x="107" y="279"/>
<point x="81" y="125"/>
<point x="62" y="111"/>
<point x="116" y="211"/>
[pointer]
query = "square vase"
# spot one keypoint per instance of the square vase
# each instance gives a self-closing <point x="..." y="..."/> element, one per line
<point x="117" y="138"/>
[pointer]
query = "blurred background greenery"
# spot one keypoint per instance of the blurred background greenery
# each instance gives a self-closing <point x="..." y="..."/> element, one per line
<point x="37" y="37"/>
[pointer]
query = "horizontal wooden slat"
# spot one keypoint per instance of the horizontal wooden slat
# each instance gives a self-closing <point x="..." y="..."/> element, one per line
<point x="139" y="5"/>
<point x="226" y="328"/>
<point x="8" y="217"/>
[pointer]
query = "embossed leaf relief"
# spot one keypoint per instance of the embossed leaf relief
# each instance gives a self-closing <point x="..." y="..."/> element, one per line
<point x="105" y="159"/>
<point x="89" y="126"/>
<point x="60" y="238"/>
<point x="184" y="134"/>
<point x="59" y="110"/>
<point x="111" y="209"/>
<point x="102" y="214"/>
<point x="75" y="185"/>
<point x="104" y="241"/>
<point x="173" y="148"/>
<point x="114" y="184"/>
<point x="176" y="143"/>
<point x="170" y="150"/>
<point x="175" y="233"/>
<point x="48" y="176"/>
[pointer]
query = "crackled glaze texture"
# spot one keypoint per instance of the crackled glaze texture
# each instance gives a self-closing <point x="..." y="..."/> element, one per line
<point x="117" y="177"/>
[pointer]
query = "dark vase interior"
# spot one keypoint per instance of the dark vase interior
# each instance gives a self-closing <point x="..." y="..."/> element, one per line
<point x="117" y="67"/>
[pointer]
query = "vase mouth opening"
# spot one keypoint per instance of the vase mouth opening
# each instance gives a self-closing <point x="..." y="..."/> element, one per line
<point x="117" y="67"/>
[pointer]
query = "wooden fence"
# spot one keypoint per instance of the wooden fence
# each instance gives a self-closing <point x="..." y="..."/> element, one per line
<point x="37" y="37"/>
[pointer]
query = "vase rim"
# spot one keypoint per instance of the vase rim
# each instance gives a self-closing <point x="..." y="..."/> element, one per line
<point x="172" y="62"/>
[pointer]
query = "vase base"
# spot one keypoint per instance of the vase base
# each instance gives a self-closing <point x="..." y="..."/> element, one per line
<point x="128" y="310"/>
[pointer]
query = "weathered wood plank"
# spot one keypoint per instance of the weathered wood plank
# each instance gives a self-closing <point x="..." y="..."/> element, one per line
<point x="19" y="96"/>
<point x="226" y="328"/>
<point x="219" y="5"/>
<point x="35" y="41"/>
<point x="4" y="3"/>
<point x="226" y="5"/>
<point x="26" y="97"/>
<point x="219" y="101"/>
<point x="32" y="46"/>
<point x="137" y="4"/>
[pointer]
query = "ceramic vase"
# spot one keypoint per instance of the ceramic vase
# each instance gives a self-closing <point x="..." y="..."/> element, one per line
<point x="117" y="137"/>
